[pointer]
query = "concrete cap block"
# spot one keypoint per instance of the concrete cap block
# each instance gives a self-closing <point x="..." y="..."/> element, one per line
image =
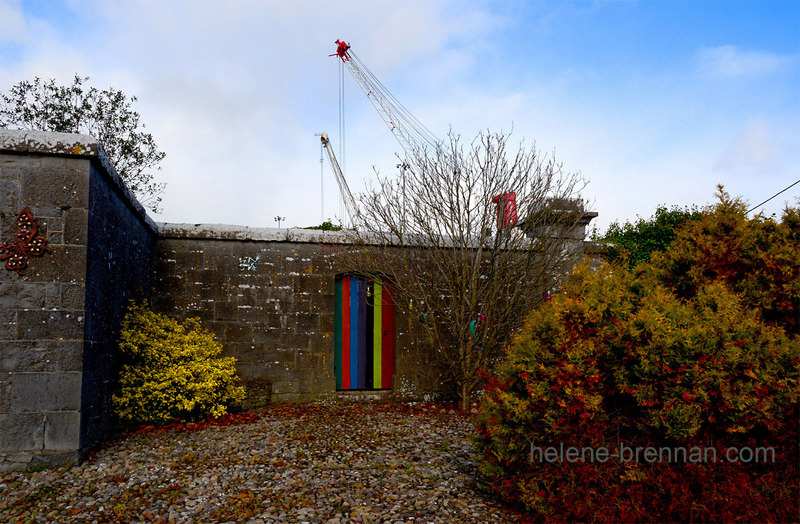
<point x="261" y="234"/>
<point x="28" y="141"/>
<point x="60" y="143"/>
<point x="13" y="139"/>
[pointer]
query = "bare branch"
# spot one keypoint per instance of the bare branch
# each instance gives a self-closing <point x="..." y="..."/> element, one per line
<point x="435" y="231"/>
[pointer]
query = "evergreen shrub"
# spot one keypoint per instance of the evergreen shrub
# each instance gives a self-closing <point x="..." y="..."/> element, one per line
<point x="172" y="370"/>
<point x="636" y="242"/>
<point x="668" y="355"/>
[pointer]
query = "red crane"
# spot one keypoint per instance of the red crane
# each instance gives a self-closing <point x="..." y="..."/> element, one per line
<point x="405" y="127"/>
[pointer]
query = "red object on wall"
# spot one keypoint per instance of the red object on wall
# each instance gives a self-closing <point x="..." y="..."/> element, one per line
<point x="27" y="242"/>
<point x="387" y="344"/>
<point x="506" y="210"/>
<point x="345" y="311"/>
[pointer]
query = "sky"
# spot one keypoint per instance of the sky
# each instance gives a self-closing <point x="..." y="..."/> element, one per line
<point x="653" y="102"/>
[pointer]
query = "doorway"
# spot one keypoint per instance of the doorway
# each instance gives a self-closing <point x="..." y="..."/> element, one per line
<point x="363" y="334"/>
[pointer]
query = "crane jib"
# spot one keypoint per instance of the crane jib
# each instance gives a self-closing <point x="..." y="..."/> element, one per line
<point x="405" y="127"/>
<point x="344" y="189"/>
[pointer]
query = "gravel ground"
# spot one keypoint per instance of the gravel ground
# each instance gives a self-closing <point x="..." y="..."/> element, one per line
<point x="344" y="462"/>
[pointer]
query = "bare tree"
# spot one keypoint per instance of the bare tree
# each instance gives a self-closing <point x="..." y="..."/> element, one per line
<point x="447" y="234"/>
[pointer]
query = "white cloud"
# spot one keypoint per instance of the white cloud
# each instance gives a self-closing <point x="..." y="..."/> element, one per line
<point x="12" y="22"/>
<point x="753" y="150"/>
<point x="234" y="92"/>
<point x="730" y="61"/>
<point x="38" y="49"/>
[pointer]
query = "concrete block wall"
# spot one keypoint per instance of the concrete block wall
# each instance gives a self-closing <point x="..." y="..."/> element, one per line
<point x="56" y="350"/>
<point x="121" y="240"/>
<point x="268" y="296"/>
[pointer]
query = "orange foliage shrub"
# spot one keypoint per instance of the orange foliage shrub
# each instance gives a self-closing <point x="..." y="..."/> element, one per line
<point x="694" y="351"/>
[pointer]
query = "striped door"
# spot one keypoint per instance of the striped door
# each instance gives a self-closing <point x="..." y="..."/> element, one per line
<point x="364" y="334"/>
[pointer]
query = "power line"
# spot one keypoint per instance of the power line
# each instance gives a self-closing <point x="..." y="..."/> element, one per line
<point x="773" y="196"/>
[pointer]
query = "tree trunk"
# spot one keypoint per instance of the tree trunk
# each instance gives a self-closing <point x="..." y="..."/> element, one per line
<point x="464" y="397"/>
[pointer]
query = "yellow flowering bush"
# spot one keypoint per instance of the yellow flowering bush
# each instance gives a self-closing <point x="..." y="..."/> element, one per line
<point x="172" y="370"/>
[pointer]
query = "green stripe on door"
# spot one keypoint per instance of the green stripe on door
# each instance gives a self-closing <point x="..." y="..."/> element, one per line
<point x="377" y="333"/>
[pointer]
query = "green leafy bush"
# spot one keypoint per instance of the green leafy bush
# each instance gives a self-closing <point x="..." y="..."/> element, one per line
<point x="636" y="242"/>
<point x="172" y="370"/>
<point x="664" y="357"/>
<point x="325" y="226"/>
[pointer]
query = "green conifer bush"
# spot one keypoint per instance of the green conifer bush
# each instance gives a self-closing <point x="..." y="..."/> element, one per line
<point x="695" y="350"/>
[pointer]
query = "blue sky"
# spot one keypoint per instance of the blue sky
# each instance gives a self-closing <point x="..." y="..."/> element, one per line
<point x="653" y="102"/>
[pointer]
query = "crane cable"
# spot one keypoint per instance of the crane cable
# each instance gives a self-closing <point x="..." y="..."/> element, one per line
<point x="342" y="158"/>
<point x="406" y="119"/>
<point x="321" y="186"/>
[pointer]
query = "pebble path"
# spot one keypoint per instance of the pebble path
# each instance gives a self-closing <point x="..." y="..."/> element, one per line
<point x="314" y="463"/>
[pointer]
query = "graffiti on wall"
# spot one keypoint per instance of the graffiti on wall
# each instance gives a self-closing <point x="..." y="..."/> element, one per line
<point x="248" y="263"/>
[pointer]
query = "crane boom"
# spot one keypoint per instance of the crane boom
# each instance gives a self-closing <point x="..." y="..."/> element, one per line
<point x="344" y="189"/>
<point x="408" y="131"/>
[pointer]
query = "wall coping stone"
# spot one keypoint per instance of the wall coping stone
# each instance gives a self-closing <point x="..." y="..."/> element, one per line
<point x="27" y="141"/>
<point x="261" y="234"/>
<point x="252" y="234"/>
<point x="73" y="145"/>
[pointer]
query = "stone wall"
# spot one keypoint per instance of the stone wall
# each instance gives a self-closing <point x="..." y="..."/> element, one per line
<point x="268" y="296"/>
<point x="59" y="317"/>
